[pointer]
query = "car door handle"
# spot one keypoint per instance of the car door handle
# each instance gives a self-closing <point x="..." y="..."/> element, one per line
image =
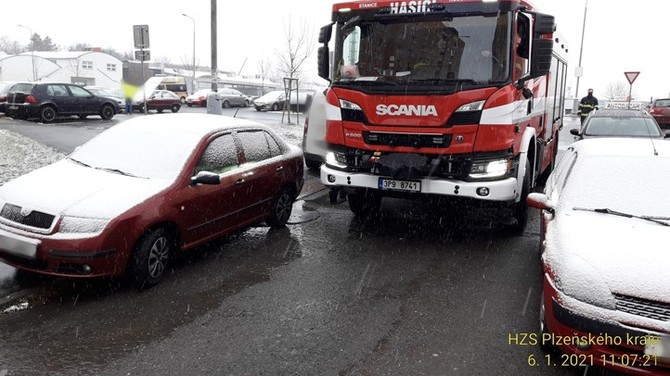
<point x="239" y="181"/>
<point x="280" y="168"/>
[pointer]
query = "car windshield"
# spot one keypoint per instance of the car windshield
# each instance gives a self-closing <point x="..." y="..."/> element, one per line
<point x="600" y="182"/>
<point x="144" y="150"/>
<point x="622" y="126"/>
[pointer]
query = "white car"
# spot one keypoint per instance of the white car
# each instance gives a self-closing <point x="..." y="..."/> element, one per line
<point x="314" y="144"/>
<point x="605" y="258"/>
<point x="272" y="101"/>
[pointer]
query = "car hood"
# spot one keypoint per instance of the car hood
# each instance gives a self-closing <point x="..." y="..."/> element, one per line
<point x="599" y="252"/>
<point x="66" y="188"/>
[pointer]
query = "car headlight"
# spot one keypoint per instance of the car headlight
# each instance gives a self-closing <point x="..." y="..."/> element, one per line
<point x="346" y="105"/>
<point x="80" y="225"/>
<point x="579" y="280"/>
<point x="474" y="106"/>
<point x="488" y="169"/>
<point x="336" y="159"/>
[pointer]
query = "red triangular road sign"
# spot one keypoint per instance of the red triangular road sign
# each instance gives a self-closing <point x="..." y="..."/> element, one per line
<point x="631" y="76"/>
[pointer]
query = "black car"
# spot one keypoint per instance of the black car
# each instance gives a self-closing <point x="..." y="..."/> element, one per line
<point x="618" y="123"/>
<point x="47" y="101"/>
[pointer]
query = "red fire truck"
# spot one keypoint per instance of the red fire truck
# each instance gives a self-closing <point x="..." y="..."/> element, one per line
<point x="460" y="98"/>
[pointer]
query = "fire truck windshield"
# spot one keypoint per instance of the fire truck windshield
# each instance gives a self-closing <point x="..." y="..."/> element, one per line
<point x="421" y="54"/>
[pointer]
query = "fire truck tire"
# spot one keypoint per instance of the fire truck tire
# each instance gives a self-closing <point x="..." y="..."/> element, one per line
<point x="520" y="208"/>
<point x="364" y="202"/>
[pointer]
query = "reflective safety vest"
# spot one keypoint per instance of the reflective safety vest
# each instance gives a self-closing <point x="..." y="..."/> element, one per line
<point x="587" y="105"/>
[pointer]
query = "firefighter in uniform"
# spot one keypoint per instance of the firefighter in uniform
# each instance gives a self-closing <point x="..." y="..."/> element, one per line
<point x="587" y="104"/>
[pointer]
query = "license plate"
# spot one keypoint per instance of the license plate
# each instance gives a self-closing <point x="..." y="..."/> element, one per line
<point x="658" y="347"/>
<point x="13" y="107"/>
<point x="18" y="245"/>
<point x="400" y="185"/>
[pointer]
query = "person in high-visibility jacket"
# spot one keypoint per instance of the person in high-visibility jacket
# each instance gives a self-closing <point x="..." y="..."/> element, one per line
<point x="587" y="104"/>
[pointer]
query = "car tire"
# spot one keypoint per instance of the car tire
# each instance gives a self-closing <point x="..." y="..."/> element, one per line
<point x="281" y="209"/>
<point x="246" y="103"/>
<point x="258" y="109"/>
<point x="203" y="104"/>
<point x="312" y="164"/>
<point x="225" y="104"/>
<point x="107" y="112"/>
<point x="182" y="100"/>
<point x="150" y="258"/>
<point x="275" y="107"/>
<point x="140" y="108"/>
<point x="175" y="108"/>
<point x="364" y="202"/>
<point x="188" y="104"/>
<point x="47" y="114"/>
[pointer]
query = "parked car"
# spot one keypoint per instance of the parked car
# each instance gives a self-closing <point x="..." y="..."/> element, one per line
<point x="272" y="101"/>
<point x="660" y="110"/>
<point x="314" y="145"/>
<point x="604" y="235"/>
<point x="300" y="101"/>
<point x="199" y="98"/>
<point x="160" y="100"/>
<point x="115" y="94"/>
<point x="127" y="200"/>
<point x="47" y="101"/>
<point x="4" y="89"/>
<point x="618" y="123"/>
<point x="231" y="97"/>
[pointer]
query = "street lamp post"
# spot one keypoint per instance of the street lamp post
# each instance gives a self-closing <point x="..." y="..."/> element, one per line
<point x="581" y="49"/>
<point x="193" y="66"/>
<point x="32" y="51"/>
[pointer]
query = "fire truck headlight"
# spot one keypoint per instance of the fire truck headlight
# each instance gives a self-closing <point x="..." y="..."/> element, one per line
<point x="491" y="168"/>
<point x="474" y="106"/>
<point x="336" y="159"/>
<point x="346" y="105"/>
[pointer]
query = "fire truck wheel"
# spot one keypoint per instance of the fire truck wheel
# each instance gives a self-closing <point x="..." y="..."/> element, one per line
<point x="520" y="212"/>
<point x="364" y="202"/>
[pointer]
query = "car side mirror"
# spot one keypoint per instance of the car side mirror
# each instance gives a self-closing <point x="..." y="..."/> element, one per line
<point x="574" y="132"/>
<point x="206" y="177"/>
<point x="541" y="201"/>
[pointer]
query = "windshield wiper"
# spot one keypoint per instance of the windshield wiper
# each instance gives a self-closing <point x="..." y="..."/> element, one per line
<point x="658" y="220"/>
<point x="78" y="162"/>
<point x="117" y="171"/>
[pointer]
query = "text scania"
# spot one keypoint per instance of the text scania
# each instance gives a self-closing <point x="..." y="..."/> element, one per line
<point x="400" y="7"/>
<point x="406" y="110"/>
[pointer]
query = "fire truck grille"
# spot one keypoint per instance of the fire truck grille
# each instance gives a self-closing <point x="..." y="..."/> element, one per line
<point x="465" y="118"/>
<point x="33" y="218"/>
<point x="641" y="307"/>
<point x="411" y="140"/>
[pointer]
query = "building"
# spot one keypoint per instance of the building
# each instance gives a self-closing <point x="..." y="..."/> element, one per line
<point x="79" y="67"/>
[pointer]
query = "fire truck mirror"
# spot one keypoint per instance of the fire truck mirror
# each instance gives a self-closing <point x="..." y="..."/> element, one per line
<point x="540" y="61"/>
<point x="324" y="33"/>
<point x="323" y="61"/>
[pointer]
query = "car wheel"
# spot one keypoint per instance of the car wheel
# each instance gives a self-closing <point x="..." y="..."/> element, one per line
<point x="47" y="114"/>
<point x="258" y="109"/>
<point x="107" y="112"/>
<point x="188" y="104"/>
<point x="281" y="210"/>
<point x="140" y="108"/>
<point x="147" y="264"/>
<point x="159" y="110"/>
<point x="275" y="107"/>
<point x="175" y="108"/>
<point x="312" y="164"/>
<point x="246" y="103"/>
<point x="182" y="100"/>
<point x="225" y="104"/>
<point x="203" y="104"/>
<point x="364" y="202"/>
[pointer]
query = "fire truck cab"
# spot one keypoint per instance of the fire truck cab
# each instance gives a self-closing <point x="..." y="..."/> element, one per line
<point x="441" y="97"/>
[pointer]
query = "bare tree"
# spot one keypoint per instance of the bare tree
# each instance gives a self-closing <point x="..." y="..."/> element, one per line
<point x="616" y="90"/>
<point x="11" y="47"/>
<point x="193" y="66"/>
<point x="298" y="48"/>
<point x="264" y="69"/>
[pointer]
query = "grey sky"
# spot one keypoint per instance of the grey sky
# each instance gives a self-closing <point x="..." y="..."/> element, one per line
<point x="620" y="36"/>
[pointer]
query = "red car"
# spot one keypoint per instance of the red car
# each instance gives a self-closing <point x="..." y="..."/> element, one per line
<point x="660" y="110"/>
<point x="127" y="200"/>
<point x="161" y="100"/>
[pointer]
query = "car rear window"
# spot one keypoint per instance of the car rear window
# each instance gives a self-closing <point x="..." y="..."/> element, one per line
<point x="662" y="103"/>
<point x="620" y="126"/>
<point x="22" y="88"/>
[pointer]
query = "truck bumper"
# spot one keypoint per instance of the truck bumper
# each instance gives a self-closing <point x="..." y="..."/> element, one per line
<point x="498" y="190"/>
